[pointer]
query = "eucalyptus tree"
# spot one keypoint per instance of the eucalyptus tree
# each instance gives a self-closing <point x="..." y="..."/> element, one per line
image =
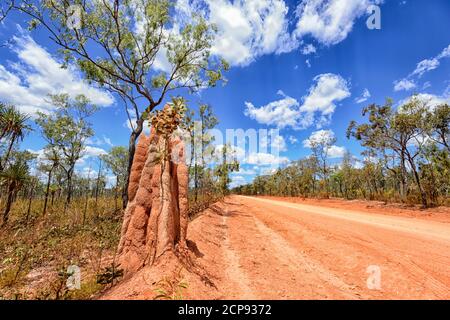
<point x="48" y="165"/>
<point x="438" y="125"/>
<point x="225" y="168"/>
<point x="320" y="144"/>
<point x="66" y="131"/>
<point x="399" y="131"/>
<point x="139" y="50"/>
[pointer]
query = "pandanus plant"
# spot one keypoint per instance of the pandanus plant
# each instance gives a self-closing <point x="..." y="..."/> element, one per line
<point x="13" y="126"/>
<point x="13" y="178"/>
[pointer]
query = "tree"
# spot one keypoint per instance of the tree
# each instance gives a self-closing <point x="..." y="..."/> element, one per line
<point x="116" y="160"/>
<point x="438" y="125"/>
<point x="50" y="163"/>
<point x="116" y="44"/>
<point x="66" y="132"/>
<point x="400" y="131"/>
<point x="13" y="178"/>
<point x="13" y="125"/>
<point x="200" y="145"/>
<point x="225" y="168"/>
<point x="5" y="8"/>
<point x="320" y="143"/>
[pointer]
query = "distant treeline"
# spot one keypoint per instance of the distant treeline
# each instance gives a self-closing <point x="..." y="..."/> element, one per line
<point x="405" y="159"/>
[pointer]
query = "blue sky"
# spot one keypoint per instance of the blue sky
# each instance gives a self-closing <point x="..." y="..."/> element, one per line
<point x="300" y="66"/>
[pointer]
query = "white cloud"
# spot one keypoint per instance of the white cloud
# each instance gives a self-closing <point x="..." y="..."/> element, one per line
<point x="329" y="21"/>
<point x="429" y="100"/>
<point x="320" y="103"/>
<point x="252" y="28"/>
<point x="251" y="158"/>
<point x="129" y="125"/>
<point x="280" y="113"/>
<point x="404" y="84"/>
<point x="425" y="66"/>
<point x="336" y="152"/>
<point x="90" y="151"/>
<point x="320" y="136"/>
<point x="100" y="141"/>
<point x="237" y="181"/>
<point x="325" y="137"/>
<point x="248" y="29"/>
<point x="430" y="64"/>
<point x="265" y="159"/>
<point x="28" y="82"/>
<point x="365" y="95"/>
<point x="293" y="140"/>
<point x="422" y="67"/>
<point x="277" y="143"/>
<point x="317" y="108"/>
<point x="308" y="49"/>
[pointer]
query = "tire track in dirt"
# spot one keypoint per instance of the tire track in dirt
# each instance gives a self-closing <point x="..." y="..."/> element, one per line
<point x="296" y="261"/>
<point x="415" y="264"/>
<point x="233" y="270"/>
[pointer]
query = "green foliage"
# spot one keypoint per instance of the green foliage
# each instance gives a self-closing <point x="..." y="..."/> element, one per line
<point x="66" y="131"/>
<point x="406" y="158"/>
<point x="225" y="168"/>
<point x="115" y="45"/>
<point x="171" y="287"/>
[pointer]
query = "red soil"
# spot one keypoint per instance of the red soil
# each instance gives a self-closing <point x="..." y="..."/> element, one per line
<point x="258" y="248"/>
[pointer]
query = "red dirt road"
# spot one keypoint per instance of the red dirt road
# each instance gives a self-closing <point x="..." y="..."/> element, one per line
<point x="255" y="248"/>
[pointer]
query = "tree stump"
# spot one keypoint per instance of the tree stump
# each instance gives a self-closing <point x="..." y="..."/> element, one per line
<point x="156" y="216"/>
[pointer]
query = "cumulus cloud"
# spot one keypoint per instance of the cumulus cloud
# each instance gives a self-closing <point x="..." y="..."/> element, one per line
<point x="320" y="103"/>
<point x="317" y="108"/>
<point x="280" y="113"/>
<point x="252" y="28"/>
<point x="251" y="157"/>
<point x="36" y="74"/>
<point x="329" y="21"/>
<point x="246" y="29"/>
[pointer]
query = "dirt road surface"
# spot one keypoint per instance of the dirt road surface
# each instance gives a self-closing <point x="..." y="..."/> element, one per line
<point x="256" y="248"/>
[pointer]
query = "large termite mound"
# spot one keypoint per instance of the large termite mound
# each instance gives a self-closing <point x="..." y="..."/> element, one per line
<point x="155" y="220"/>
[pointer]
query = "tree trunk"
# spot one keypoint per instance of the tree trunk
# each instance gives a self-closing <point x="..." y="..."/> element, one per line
<point x="423" y="195"/>
<point x="9" y="202"/>
<point x="29" y="202"/>
<point x="8" y="152"/>
<point x="131" y="150"/>
<point x="116" y="193"/>
<point x="69" y="186"/>
<point x="47" y="191"/>
<point x="97" y="185"/>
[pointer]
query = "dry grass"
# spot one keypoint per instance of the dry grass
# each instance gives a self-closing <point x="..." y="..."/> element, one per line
<point x="35" y="250"/>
